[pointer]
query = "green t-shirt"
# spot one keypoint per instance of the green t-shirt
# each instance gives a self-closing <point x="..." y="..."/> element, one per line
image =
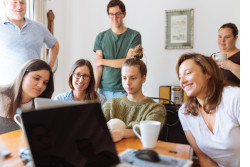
<point x="115" y="46"/>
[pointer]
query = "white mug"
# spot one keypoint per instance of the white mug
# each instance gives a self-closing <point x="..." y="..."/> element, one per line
<point x="219" y="56"/>
<point x="149" y="132"/>
<point x="18" y="119"/>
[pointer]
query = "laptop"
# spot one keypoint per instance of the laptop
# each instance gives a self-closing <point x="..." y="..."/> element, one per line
<point x="69" y="136"/>
<point x="45" y="103"/>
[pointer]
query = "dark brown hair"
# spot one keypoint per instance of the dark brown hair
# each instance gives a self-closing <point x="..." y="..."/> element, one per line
<point x="90" y="91"/>
<point x="232" y="26"/>
<point x="135" y="60"/>
<point x="14" y="90"/>
<point x="215" y="84"/>
<point x="114" y="3"/>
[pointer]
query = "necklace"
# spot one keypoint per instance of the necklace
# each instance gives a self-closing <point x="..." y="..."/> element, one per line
<point x="206" y="122"/>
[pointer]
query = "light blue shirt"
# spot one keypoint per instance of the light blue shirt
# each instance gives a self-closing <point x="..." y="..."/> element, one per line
<point x="68" y="96"/>
<point x="20" y="45"/>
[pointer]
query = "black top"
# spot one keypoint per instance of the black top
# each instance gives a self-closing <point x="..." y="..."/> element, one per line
<point x="228" y="75"/>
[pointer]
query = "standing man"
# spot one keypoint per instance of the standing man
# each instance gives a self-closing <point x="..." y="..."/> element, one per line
<point x="21" y="39"/>
<point x="112" y="48"/>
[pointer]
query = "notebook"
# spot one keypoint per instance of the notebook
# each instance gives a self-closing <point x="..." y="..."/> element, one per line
<point x="74" y="135"/>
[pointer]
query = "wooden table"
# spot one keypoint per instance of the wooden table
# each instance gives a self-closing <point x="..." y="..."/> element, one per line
<point x="15" y="140"/>
<point x="171" y="149"/>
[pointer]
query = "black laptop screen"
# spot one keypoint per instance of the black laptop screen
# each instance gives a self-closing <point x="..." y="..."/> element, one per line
<point x="70" y="136"/>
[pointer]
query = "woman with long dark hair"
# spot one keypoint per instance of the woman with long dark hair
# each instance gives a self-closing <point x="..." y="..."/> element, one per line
<point x="35" y="79"/>
<point x="82" y="84"/>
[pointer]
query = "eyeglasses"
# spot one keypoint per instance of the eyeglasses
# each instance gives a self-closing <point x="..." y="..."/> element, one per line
<point x="78" y="76"/>
<point x="118" y="14"/>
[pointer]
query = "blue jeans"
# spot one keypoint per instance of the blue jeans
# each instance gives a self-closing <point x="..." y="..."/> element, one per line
<point x="108" y="94"/>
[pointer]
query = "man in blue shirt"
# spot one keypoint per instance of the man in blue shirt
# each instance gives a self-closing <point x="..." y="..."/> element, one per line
<point x="21" y="39"/>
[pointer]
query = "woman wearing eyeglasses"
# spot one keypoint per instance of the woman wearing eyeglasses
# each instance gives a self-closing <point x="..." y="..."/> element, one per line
<point x="82" y="84"/>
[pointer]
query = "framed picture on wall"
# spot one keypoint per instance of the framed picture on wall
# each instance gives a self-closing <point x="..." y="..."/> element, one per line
<point x="179" y="29"/>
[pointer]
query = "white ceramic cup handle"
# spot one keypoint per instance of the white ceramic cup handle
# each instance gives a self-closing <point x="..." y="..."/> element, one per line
<point x="213" y="56"/>
<point x="134" y="129"/>
<point x="16" y="119"/>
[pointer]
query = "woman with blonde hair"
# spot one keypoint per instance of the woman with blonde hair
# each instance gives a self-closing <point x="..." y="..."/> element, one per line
<point x="35" y="79"/>
<point x="134" y="107"/>
<point x="211" y="115"/>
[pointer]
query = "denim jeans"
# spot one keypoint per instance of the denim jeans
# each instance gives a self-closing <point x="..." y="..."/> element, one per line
<point x="108" y="94"/>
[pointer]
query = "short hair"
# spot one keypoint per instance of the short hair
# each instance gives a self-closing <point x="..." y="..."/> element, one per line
<point x="135" y="60"/>
<point x="90" y="91"/>
<point x="232" y="26"/>
<point x="114" y="3"/>
<point x="14" y="90"/>
<point x="214" y="88"/>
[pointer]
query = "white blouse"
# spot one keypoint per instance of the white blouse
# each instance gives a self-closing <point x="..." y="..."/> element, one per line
<point x="223" y="145"/>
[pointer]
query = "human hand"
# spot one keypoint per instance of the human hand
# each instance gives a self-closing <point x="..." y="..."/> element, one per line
<point x="224" y="64"/>
<point x="117" y="135"/>
<point x="98" y="60"/>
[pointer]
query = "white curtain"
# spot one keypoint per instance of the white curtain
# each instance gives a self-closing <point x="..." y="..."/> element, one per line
<point x="37" y="10"/>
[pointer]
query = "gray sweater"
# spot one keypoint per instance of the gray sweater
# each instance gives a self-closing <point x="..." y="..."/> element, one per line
<point x="6" y="124"/>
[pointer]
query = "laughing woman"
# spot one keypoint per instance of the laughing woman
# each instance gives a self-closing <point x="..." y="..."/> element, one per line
<point x="211" y="115"/>
<point x="35" y="79"/>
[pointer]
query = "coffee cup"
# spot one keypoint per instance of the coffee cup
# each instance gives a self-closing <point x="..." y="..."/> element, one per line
<point x="219" y="56"/>
<point x="149" y="132"/>
<point x="18" y="119"/>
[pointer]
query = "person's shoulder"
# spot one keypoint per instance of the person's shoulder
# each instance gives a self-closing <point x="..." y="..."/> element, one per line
<point x="66" y="96"/>
<point x="103" y="34"/>
<point x="112" y="102"/>
<point x="231" y="90"/>
<point x="4" y="104"/>
<point x="182" y="110"/>
<point x="4" y="19"/>
<point x="34" y="23"/>
<point x="133" y="31"/>
<point x="230" y="93"/>
<point x="4" y="98"/>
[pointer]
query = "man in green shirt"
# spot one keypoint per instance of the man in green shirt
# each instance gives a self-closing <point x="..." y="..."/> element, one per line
<point x="112" y="48"/>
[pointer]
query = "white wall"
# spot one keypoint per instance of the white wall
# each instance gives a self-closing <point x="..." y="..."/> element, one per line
<point x="78" y="22"/>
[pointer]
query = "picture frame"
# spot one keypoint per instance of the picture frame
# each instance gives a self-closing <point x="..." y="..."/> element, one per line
<point x="179" y="29"/>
